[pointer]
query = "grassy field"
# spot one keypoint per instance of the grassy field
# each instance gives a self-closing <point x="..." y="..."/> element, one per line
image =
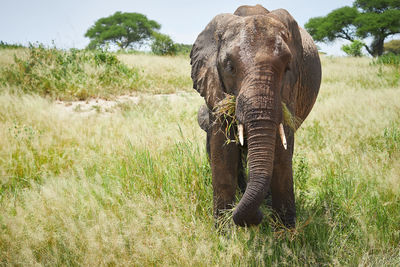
<point x="132" y="186"/>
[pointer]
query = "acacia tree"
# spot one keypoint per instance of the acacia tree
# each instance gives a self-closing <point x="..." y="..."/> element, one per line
<point x="366" y="18"/>
<point x="122" y="29"/>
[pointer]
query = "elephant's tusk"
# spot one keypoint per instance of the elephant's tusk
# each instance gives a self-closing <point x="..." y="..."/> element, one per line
<point x="240" y="131"/>
<point x="282" y="134"/>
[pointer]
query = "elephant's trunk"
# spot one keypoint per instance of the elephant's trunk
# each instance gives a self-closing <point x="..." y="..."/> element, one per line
<point x="261" y="123"/>
<point x="261" y="146"/>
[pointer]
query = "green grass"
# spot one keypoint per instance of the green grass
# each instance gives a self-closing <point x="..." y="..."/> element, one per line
<point x="133" y="186"/>
<point x="388" y="59"/>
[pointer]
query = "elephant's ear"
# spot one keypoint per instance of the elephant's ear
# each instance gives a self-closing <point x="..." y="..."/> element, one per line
<point x="203" y="57"/>
<point x="295" y="45"/>
<point x="284" y="16"/>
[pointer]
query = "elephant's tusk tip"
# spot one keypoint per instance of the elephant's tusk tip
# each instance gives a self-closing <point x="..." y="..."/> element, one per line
<point x="240" y="131"/>
<point x="282" y="134"/>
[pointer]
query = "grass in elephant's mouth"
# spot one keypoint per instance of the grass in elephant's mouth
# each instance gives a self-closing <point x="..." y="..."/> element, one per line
<point x="289" y="118"/>
<point x="225" y="112"/>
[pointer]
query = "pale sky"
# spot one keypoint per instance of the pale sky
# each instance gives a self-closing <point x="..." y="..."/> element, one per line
<point x="65" y="22"/>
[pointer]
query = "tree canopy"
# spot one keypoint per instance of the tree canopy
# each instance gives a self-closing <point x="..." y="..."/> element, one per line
<point x="122" y="29"/>
<point x="366" y="18"/>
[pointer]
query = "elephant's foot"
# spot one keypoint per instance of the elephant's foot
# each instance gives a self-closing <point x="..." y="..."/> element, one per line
<point x="284" y="220"/>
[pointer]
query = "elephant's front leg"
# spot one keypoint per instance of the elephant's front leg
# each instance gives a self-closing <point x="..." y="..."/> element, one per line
<point x="283" y="202"/>
<point x="225" y="161"/>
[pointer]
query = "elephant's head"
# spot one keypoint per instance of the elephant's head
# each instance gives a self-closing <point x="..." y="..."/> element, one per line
<point x="254" y="55"/>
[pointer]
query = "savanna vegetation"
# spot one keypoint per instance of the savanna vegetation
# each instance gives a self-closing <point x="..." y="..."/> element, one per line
<point x="377" y="19"/>
<point x="82" y="74"/>
<point x="132" y="186"/>
<point x="130" y="31"/>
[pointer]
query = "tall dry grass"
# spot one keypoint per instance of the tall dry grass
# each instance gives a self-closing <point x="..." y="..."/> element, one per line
<point x="133" y="187"/>
<point x="161" y="74"/>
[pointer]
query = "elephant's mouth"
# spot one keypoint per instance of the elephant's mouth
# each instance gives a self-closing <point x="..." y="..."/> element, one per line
<point x="240" y="130"/>
<point x="226" y="109"/>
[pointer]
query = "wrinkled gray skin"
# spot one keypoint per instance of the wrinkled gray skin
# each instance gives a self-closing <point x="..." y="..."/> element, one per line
<point x="263" y="58"/>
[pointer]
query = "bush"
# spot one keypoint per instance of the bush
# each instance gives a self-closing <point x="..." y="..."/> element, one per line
<point x="392" y="74"/>
<point x="4" y="45"/>
<point x="388" y="59"/>
<point x="163" y="45"/>
<point x="392" y="47"/>
<point x="353" y="49"/>
<point x="73" y="74"/>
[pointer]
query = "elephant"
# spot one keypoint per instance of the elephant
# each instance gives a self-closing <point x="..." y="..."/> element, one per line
<point x="268" y="63"/>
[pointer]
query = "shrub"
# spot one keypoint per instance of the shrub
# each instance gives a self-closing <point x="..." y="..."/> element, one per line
<point x="163" y="45"/>
<point x="388" y="59"/>
<point x="73" y="74"/>
<point x="392" y="74"/>
<point x="353" y="49"/>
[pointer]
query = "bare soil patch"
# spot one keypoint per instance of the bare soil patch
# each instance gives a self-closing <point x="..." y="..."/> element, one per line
<point x="103" y="106"/>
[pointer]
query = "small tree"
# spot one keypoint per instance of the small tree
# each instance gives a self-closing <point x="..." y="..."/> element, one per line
<point x="366" y="18"/>
<point x="163" y="45"/>
<point x="123" y="29"/>
<point x="353" y="49"/>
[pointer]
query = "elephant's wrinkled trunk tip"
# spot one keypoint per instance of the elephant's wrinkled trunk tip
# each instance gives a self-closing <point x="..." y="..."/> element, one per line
<point x="240" y="132"/>
<point x="282" y="134"/>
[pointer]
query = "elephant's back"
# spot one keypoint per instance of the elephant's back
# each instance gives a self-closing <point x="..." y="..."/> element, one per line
<point x="310" y="76"/>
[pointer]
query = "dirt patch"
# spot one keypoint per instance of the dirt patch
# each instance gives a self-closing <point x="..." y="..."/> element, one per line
<point x="102" y="106"/>
<point x="93" y="106"/>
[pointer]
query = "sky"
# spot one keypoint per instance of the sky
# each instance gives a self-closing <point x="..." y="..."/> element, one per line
<point x="65" y="22"/>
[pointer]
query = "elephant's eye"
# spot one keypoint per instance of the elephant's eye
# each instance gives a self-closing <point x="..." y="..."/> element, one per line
<point x="229" y="67"/>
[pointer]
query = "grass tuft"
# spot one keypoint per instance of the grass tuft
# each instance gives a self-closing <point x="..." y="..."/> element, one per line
<point x="68" y="75"/>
